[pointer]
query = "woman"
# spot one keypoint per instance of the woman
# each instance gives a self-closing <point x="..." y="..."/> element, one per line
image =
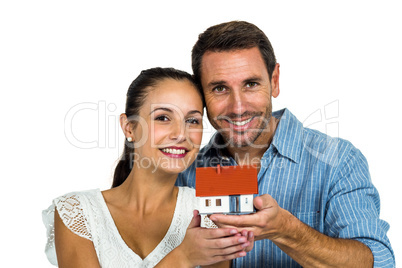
<point x="144" y="220"/>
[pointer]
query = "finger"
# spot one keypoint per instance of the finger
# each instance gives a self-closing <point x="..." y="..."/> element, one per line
<point x="216" y="233"/>
<point x="264" y="201"/>
<point x="244" y="233"/>
<point x="237" y="221"/>
<point x="250" y="237"/>
<point x="195" y="221"/>
<point x="234" y="255"/>
<point x="232" y="243"/>
<point x="230" y="250"/>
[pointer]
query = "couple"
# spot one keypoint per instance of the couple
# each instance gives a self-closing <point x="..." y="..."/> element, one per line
<point x="317" y="205"/>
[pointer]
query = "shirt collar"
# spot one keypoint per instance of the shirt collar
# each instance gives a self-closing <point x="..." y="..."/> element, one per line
<point x="287" y="139"/>
<point x="288" y="135"/>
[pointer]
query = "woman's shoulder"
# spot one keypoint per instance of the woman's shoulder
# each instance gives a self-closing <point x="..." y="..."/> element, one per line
<point x="187" y="194"/>
<point x="74" y="209"/>
<point x="76" y="196"/>
<point x="187" y="190"/>
<point x="186" y="199"/>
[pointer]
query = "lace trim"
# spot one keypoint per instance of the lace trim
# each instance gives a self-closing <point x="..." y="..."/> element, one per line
<point x="71" y="213"/>
<point x="206" y="222"/>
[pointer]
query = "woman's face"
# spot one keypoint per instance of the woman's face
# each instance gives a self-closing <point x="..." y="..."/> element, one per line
<point x="168" y="136"/>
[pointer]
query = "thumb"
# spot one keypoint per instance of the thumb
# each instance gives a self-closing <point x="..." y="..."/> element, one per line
<point x="195" y="221"/>
<point x="263" y="201"/>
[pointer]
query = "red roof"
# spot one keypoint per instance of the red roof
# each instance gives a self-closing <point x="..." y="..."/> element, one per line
<point x="226" y="180"/>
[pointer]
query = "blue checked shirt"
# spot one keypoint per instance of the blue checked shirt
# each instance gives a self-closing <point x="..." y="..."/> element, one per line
<point x="323" y="181"/>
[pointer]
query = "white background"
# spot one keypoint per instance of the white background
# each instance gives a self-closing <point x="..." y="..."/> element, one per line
<point x="54" y="55"/>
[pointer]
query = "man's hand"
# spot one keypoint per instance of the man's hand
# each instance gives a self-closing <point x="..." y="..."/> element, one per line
<point x="302" y="243"/>
<point x="267" y="223"/>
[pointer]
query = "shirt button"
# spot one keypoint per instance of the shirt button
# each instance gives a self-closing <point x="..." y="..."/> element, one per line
<point x="280" y="163"/>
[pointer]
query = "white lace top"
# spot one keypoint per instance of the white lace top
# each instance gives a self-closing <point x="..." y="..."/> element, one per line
<point x="86" y="214"/>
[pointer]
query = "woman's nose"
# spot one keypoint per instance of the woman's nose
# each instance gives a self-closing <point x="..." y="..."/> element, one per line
<point x="178" y="132"/>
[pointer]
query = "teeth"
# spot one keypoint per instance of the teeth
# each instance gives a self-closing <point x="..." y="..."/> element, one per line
<point x="173" y="151"/>
<point x="241" y="123"/>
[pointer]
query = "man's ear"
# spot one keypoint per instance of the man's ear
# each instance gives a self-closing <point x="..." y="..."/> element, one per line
<point x="275" y="81"/>
<point x="127" y="127"/>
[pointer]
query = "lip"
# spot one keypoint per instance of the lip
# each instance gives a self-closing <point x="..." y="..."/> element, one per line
<point x="240" y="125"/>
<point x="171" y="151"/>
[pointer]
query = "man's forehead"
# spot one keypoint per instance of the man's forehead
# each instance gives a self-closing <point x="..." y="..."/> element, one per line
<point x="218" y="65"/>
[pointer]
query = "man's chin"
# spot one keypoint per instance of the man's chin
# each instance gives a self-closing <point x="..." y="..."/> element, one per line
<point x="239" y="141"/>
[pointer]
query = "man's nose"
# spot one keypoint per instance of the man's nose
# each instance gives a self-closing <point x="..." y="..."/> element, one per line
<point x="237" y="103"/>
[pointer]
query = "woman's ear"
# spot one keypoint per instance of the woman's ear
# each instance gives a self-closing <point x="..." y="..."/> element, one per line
<point x="127" y="127"/>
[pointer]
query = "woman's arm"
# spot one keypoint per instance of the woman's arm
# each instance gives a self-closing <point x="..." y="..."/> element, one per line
<point x="72" y="250"/>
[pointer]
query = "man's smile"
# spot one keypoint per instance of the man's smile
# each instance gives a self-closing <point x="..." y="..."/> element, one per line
<point x="240" y="123"/>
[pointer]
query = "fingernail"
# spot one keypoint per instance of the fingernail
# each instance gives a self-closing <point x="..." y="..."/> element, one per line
<point x="242" y="254"/>
<point x="233" y="231"/>
<point x="246" y="244"/>
<point x="242" y="240"/>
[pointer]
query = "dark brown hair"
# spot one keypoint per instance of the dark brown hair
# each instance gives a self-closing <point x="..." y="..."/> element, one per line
<point x="228" y="36"/>
<point x="136" y="95"/>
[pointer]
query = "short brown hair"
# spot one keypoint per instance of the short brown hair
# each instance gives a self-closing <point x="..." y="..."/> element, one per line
<point x="228" y="36"/>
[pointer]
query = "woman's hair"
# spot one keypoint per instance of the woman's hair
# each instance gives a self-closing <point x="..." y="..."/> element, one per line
<point x="230" y="36"/>
<point x="136" y="95"/>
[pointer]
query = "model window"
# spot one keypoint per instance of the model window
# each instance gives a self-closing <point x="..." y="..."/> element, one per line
<point x="218" y="202"/>
<point x="207" y="202"/>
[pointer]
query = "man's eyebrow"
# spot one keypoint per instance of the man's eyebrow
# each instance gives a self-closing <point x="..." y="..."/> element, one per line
<point x="162" y="108"/>
<point x="222" y="82"/>
<point x="252" y="79"/>
<point x="216" y="83"/>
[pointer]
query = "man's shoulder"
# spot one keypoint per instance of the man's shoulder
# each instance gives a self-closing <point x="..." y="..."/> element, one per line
<point x="311" y="142"/>
<point x="329" y="149"/>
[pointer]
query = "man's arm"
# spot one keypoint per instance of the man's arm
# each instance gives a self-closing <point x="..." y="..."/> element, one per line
<point x="302" y="243"/>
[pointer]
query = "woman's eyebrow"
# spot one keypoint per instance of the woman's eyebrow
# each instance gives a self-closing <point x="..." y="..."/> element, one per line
<point x="194" y="112"/>
<point x="162" y="108"/>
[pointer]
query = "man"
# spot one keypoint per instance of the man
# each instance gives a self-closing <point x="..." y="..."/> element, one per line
<point x="317" y="205"/>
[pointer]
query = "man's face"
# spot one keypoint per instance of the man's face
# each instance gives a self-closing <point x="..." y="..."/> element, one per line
<point x="238" y="94"/>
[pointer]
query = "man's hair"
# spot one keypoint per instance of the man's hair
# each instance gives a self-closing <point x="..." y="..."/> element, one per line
<point x="229" y="36"/>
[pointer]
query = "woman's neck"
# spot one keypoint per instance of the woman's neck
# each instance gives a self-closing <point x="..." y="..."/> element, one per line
<point x="147" y="192"/>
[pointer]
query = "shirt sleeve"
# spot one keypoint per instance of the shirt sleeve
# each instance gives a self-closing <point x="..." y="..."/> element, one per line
<point x="353" y="210"/>
<point x="187" y="177"/>
<point x="71" y="212"/>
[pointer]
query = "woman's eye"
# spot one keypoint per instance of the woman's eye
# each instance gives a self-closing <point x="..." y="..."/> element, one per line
<point x="192" y="121"/>
<point x="162" y="118"/>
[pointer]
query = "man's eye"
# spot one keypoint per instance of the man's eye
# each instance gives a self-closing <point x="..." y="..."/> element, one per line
<point x="219" y="89"/>
<point x="251" y="84"/>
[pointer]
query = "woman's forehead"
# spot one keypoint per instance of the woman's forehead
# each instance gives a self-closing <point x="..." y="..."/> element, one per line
<point x="178" y="94"/>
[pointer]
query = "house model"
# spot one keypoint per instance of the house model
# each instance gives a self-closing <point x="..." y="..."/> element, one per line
<point x="226" y="189"/>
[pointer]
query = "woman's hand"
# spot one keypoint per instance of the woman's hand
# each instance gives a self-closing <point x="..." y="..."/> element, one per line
<point x="203" y="246"/>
